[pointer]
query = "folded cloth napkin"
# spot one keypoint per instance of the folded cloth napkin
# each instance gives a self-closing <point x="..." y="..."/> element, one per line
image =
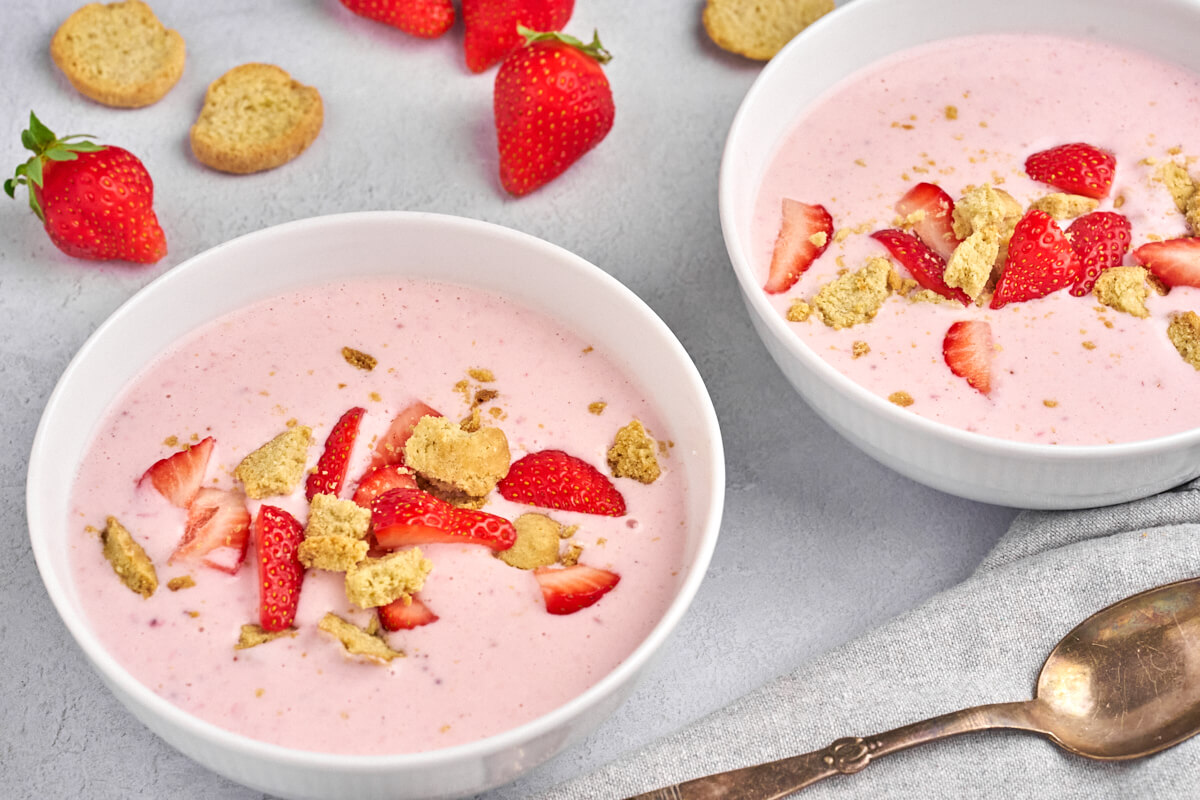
<point x="982" y="641"/>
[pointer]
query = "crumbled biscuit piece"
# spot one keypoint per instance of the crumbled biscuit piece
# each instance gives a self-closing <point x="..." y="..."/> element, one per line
<point x="484" y="396"/>
<point x="928" y="296"/>
<point x="986" y="208"/>
<point x="632" y="454"/>
<point x="971" y="263"/>
<point x="597" y="407"/>
<point x="171" y="441"/>
<point x="951" y="112"/>
<point x="568" y="531"/>
<point x="332" y="553"/>
<point x="1184" y="333"/>
<point x="1192" y="213"/>
<point x="1178" y="182"/>
<point x="859" y="349"/>
<point x="482" y="375"/>
<point x="901" y="399"/>
<point x="457" y="461"/>
<point x="278" y="466"/>
<point x="856" y="296"/>
<point x="329" y="515"/>
<point x="757" y="29"/>
<point x="378" y="581"/>
<point x="128" y="559"/>
<point x="1050" y="403"/>
<point x="1156" y="283"/>
<point x="571" y="557"/>
<point x="181" y="582"/>
<point x="1124" y="289"/>
<point x="1089" y="345"/>
<point x="119" y="54"/>
<point x="1065" y="206"/>
<point x="254" y="635"/>
<point x="799" y="311"/>
<point x="536" y="544"/>
<point x="819" y="239"/>
<point x="357" y="641"/>
<point x="359" y="359"/>
<point x="471" y="422"/>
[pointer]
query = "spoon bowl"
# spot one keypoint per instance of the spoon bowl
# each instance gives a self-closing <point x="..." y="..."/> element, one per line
<point x="1124" y="683"/>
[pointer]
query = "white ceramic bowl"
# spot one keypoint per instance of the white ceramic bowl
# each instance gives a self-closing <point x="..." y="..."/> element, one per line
<point x="967" y="464"/>
<point x="537" y="274"/>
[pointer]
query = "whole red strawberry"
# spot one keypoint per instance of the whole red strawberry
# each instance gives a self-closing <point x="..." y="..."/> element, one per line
<point x="491" y="26"/>
<point x="96" y="201"/>
<point x="428" y="19"/>
<point x="552" y="105"/>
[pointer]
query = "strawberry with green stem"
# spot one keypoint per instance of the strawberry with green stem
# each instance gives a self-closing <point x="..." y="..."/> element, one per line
<point x="96" y="201"/>
<point x="552" y="104"/>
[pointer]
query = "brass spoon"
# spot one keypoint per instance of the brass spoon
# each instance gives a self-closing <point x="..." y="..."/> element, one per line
<point x="1123" y="684"/>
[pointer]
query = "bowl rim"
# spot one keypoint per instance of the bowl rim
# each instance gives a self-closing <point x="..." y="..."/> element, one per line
<point x="38" y="519"/>
<point x="785" y="61"/>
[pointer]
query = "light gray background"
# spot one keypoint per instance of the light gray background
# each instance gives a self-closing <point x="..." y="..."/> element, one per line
<point x="819" y="543"/>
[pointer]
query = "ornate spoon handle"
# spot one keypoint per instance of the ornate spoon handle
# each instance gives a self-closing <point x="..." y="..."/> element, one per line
<point x="777" y="779"/>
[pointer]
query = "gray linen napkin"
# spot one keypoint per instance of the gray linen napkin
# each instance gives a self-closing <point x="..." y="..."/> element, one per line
<point x="983" y="641"/>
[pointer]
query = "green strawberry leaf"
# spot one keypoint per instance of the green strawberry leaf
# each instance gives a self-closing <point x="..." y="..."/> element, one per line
<point x="594" y="49"/>
<point x="42" y="135"/>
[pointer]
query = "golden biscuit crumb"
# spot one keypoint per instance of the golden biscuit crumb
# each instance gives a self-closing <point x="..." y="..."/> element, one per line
<point x="984" y="208"/>
<point x="1184" y="332"/>
<point x="128" y="559"/>
<point x="567" y="531"/>
<point x="536" y="544"/>
<point x="1065" y="206"/>
<point x="1118" y="201"/>
<point x="1178" y="182"/>
<point x="597" y="407"/>
<point x="455" y="460"/>
<point x="859" y="349"/>
<point x="181" y="582"/>
<point x="571" y="557"/>
<point x="951" y="112"/>
<point x="855" y="297"/>
<point x="902" y="399"/>
<point x="819" y="239"/>
<point x="1089" y="345"/>
<point x="329" y="515"/>
<point x="278" y="466"/>
<point x="357" y="641"/>
<point x="171" y="441"/>
<point x="632" y="454"/>
<point x="332" y="553"/>
<point x="799" y="311"/>
<point x="378" y="581"/>
<point x="1124" y="289"/>
<point x="254" y="635"/>
<point x="482" y="375"/>
<point x="1050" y="403"/>
<point x="359" y="359"/>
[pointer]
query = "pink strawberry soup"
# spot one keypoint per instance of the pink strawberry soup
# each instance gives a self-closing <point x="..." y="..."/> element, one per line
<point x="494" y="658"/>
<point x="962" y="113"/>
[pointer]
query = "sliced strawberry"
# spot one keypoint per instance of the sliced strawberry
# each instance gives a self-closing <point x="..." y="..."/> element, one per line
<point x="968" y="351"/>
<point x="379" y="480"/>
<point x="553" y="479"/>
<point x="1040" y="261"/>
<point x="803" y="235"/>
<point x="398" y="615"/>
<point x="390" y="447"/>
<point x="1176" y="261"/>
<point x="178" y="477"/>
<point x="569" y="589"/>
<point x="936" y="226"/>
<point x="403" y="517"/>
<point x="280" y="572"/>
<point x="217" y="531"/>
<point x="330" y="473"/>
<point x="1101" y="239"/>
<point x="926" y="266"/>
<point x="1077" y="168"/>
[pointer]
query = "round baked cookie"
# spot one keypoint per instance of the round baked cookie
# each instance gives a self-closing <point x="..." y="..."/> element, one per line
<point x="758" y="29"/>
<point x="255" y="117"/>
<point x="118" y="54"/>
